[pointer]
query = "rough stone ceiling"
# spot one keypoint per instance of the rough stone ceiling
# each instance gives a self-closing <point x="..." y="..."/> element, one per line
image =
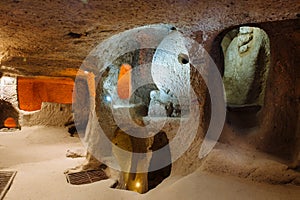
<point x="50" y="37"/>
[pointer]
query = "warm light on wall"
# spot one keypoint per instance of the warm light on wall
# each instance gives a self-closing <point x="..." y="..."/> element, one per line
<point x="124" y="81"/>
<point x="32" y="91"/>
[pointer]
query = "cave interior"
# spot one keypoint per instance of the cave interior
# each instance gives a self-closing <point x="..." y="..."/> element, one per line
<point x="140" y="85"/>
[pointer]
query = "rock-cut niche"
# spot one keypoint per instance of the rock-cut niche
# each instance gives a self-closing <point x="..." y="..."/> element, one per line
<point x="246" y="53"/>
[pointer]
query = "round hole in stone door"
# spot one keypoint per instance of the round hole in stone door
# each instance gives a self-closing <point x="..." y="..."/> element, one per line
<point x="156" y="177"/>
<point x="183" y="58"/>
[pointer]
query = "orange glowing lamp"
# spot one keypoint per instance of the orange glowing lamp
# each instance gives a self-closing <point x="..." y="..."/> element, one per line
<point x="10" y="123"/>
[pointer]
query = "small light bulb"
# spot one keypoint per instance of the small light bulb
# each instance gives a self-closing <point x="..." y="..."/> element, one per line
<point x="86" y="72"/>
<point x="108" y="98"/>
<point x="138" y="184"/>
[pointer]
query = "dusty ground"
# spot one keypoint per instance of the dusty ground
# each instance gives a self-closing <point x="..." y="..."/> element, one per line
<point x="38" y="154"/>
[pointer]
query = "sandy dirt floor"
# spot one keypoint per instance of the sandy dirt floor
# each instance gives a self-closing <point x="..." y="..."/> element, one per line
<point x="38" y="154"/>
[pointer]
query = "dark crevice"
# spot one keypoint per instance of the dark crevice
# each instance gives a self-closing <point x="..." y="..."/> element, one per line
<point x="74" y="35"/>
